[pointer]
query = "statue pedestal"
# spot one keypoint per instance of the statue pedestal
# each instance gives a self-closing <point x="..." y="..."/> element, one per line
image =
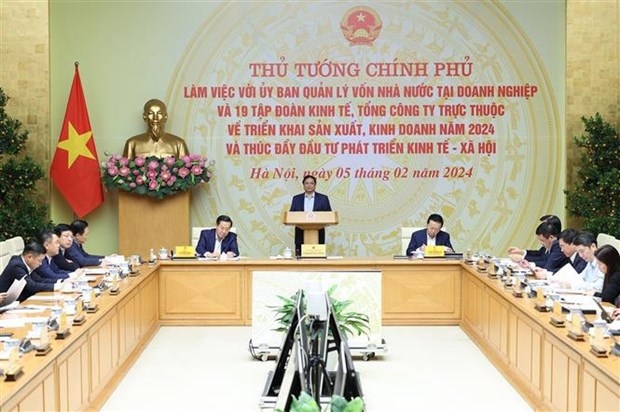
<point x="146" y="223"/>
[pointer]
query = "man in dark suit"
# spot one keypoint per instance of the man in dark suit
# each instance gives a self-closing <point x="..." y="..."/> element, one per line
<point x="566" y="242"/>
<point x="65" y="240"/>
<point x="219" y="240"/>
<point x="49" y="271"/>
<point x="21" y="267"/>
<point x="76" y="251"/>
<point x="309" y="201"/>
<point x="432" y="235"/>
<point x="549" y="257"/>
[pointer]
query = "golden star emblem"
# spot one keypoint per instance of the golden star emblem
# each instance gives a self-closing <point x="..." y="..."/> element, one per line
<point x="75" y="145"/>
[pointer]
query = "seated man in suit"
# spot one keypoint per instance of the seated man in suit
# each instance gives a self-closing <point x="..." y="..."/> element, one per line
<point x="566" y="242"/>
<point x="219" y="241"/>
<point x="76" y="252"/>
<point x="309" y="201"/>
<point x="432" y="236"/>
<point x="65" y="240"/>
<point x="549" y="258"/>
<point x="585" y="244"/>
<point x="21" y="267"/>
<point x="539" y="256"/>
<point x="49" y="271"/>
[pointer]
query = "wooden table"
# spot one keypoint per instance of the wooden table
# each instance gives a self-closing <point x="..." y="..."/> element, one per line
<point x="547" y="368"/>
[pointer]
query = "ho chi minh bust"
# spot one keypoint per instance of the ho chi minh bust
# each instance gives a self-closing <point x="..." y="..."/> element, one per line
<point x="155" y="142"/>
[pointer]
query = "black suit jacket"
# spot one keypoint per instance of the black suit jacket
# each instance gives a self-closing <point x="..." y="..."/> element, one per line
<point x="321" y="204"/>
<point x="206" y="243"/>
<point x="17" y="269"/>
<point x="552" y="260"/>
<point x="418" y="238"/>
<point x="50" y="272"/>
<point x="61" y="261"/>
<point x="77" y="254"/>
<point x="579" y="264"/>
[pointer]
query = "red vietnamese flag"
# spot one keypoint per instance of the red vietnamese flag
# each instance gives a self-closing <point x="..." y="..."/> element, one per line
<point x="75" y="167"/>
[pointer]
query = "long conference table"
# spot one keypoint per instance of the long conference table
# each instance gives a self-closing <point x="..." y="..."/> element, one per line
<point x="551" y="371"/>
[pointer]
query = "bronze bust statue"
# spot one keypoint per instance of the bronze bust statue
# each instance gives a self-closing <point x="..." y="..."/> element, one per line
<point x="155" y="142"/>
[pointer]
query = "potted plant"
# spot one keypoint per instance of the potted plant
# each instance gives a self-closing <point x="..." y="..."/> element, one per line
<point x="350" y="323"/>
<point x="595" y="196"/>
<point x="19" y="174"/>
<point x="306" y="403"/>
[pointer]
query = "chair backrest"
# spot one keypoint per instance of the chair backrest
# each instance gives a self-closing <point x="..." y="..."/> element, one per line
<point x="15" y="245"/>
<point x="196" y="233"/>
<point x="4" y="255"/>
<point x="405" y="236"/>
<point x="605" y="239"/>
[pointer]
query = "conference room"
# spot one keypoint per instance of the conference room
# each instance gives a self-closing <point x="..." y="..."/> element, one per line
<point x="399" y="110"/>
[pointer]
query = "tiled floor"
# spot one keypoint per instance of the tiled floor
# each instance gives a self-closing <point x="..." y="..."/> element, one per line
<point x="426" y="368"/>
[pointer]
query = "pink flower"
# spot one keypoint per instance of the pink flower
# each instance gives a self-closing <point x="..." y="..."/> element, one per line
<point x="164" y="167"/>
<point x="170" y="183"/>
<point x="135" y="172"/>
<point x="196" y="170"/>
<point x="124" y="171"/>
<point x="139" y="180"/>
<point x="151" y="174"/>
<point x="172" y="180"/>
<point x="165" y="175"/>
<point x="153" y="185"/>
<point x="132" y="185"/>
<point x="183" y="172"/>
<point x="153" y="164"/>
<point x="185" y="159"/>
<point x="112" y="171"/>
<point x="169" y="161"/>
<point x="195" y="157"/>
<point x="123" y="161"/>
<point x="139" y="161"/>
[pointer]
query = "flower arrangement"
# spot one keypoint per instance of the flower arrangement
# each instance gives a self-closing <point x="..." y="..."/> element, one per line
<point x="155" y="176"/>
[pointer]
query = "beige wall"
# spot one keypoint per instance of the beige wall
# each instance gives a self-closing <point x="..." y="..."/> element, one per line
<point x="24" y="74"/>
<point x="593" y="71"/>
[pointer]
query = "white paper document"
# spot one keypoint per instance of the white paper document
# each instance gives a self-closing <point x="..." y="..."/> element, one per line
<point x="581" y="302"/>
<point x="26" y="310"/>
<point x="567" y="274"/>
<point x="115" y="259"/>
<point x="15" y="290"/>
<point x="46" y="298"/>
<point x="12" y="323"/>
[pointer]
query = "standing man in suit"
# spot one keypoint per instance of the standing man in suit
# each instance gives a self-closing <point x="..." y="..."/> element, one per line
<point x="309" y="201"/>
<point x="21" y="267"/>
<point x="432" y="236"/>
<point x="219" y="241"/>
<point x="76" y="251"/>
<point x="65" y="240"/>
